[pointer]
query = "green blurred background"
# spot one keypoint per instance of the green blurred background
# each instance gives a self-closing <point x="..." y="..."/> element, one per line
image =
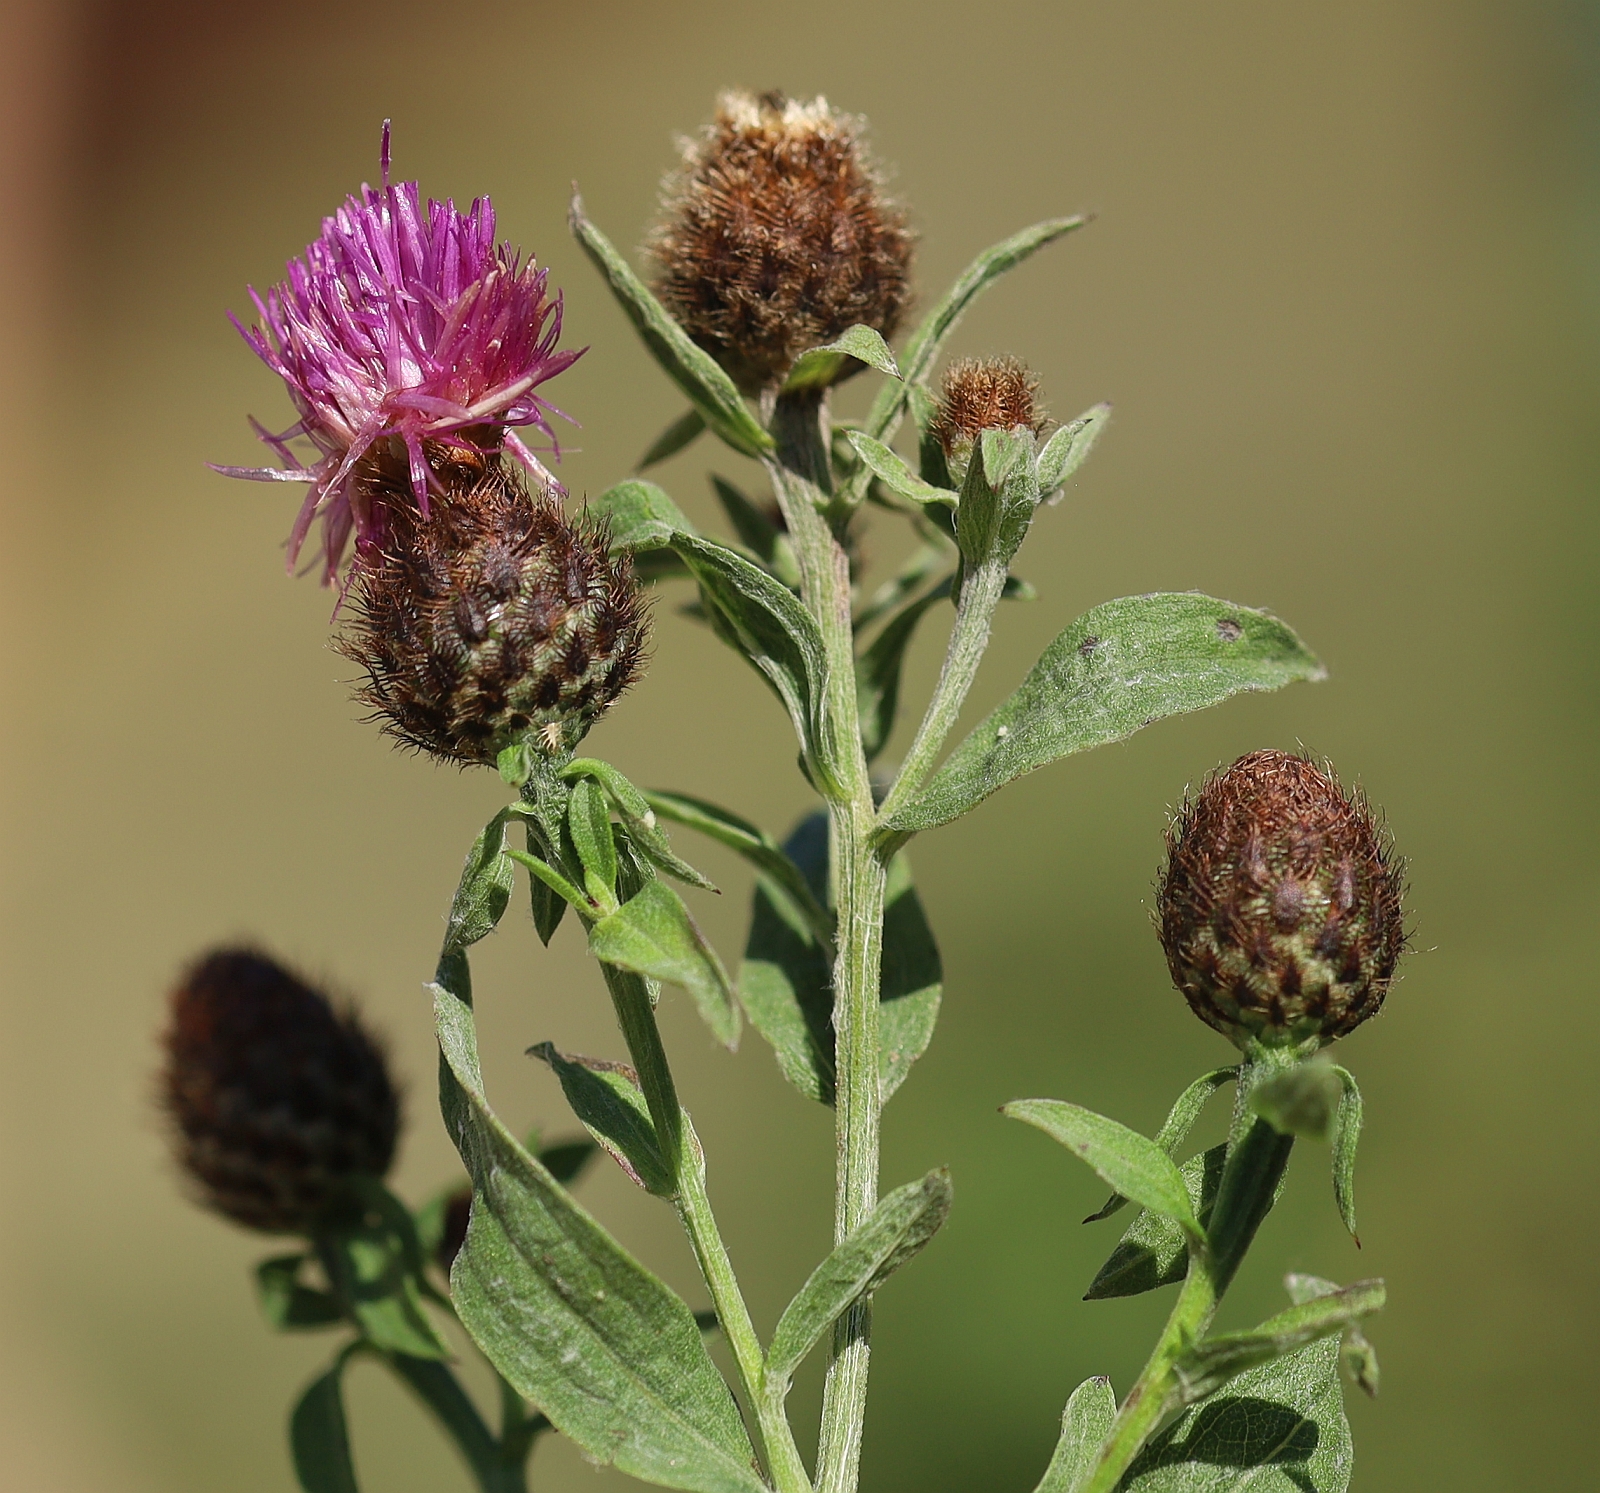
<point x="1341" y="289"/>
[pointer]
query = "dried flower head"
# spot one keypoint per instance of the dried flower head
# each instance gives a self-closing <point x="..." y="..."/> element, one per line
<point x="401" y="324"/>
<point x="1280" y="903"/>
<point x="278" y="1102"/>
<point x="982" y="394"/>
<point x="777" y="237"/>
<point x="496" y="619"/>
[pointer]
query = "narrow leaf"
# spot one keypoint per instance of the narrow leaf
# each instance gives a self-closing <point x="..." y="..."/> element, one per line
<point x="1346" y="1135"/>
<point x="1153" y="1251"/>
<point x="896" y="1230"/>
<point x="376" y="1268"/>
<point x="566" y="1160"/>
<point x="318" y="1437"/>
<point x="484" y="889"/>
<point x="652" y="934"/>
<point x="1177" y="1125"/>
<point x="758" y="533"/>
<point x="589" y="822"/>
<point x="643" y="831"/>
<point x="820" y="365"/>
<point x="1085" y="1424"/>
<point x="548" y="876"/>
<point x="1119" y="667"/>
<point x="568" y="1318"/>
<point x="1134" y="1165"/>
<point x="289" y="1305"/>
<point x="889" y="467"/>
<point x="690" y="367"/>
<point x="879" y="668"/>
<point x="685" y="429"/>
<point x="911" y="981"/>
<point x="606" y="1096"/>
<point x="1068" y="448"/>
<point x="640" y="515"/>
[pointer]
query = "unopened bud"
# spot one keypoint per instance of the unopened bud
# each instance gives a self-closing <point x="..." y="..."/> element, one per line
<point x="493" y="620"/>
<point x="777" y="237"/>
<point x="982" y="394"/>
<point x="1280" y="906"/>
<point x="278" y="1101"/>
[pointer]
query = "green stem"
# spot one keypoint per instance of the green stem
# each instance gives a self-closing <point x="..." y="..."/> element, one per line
<point x="498" y="1467"/>
<point x="980" y="595"/>
<point x="802" y="481"/>
<point x="694" y="1208"/>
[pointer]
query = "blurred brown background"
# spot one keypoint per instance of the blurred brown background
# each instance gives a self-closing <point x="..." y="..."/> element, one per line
<point x="1342" y="290"/>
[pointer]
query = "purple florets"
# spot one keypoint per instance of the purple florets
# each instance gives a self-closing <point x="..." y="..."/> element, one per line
<point x="396" y="327"/>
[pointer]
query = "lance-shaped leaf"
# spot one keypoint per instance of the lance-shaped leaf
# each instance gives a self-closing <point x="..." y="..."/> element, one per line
<point x="319" y="1439"/>
<point x="652" y="934"/>
<point x="1119" y="667"/>
<point x="751" y="842"/>
<point x="895" y="1231"/>
<point x="568" y="1318"/>
<point x="589" y="823"/>
<point x="888" y="467"/>
<point x="643" y="833"/>
<point x="484" y="889"/>
<point x="1132" y="1163"/>
<point x="606" y="1096"/>
<point x="819" y="366"/>
<point x="689" y="426"/>
<point x="287" y="1303"/>
<point x="640" y="516"/>
<point x="786" y="981"/>
<point x="925" y="344"/>
<point x="1153" y="1250"/>
<point x="1209" y="1365"/>
<point x="1346" y="1134"/>
<point x="1177" y="1125"/>
<point x="690" y="367"/>
<point x="758" y="533"/>
<point x="1068" y="448"/>
<point x="1085" y="1424"/>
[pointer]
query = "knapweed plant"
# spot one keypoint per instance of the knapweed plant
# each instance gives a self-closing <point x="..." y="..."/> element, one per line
<point x="494" y="620"/>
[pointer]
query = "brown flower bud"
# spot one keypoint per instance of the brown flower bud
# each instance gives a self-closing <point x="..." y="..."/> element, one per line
<point x="982" y="394"/>
<point x="1280" y="904"/>
<point x="492" y="619"/>
<point x="278" y="1102"/>
<point x="777" y="237"/>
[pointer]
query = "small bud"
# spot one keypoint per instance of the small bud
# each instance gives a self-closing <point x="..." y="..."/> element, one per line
<point x="1280" y="904"/>
<point x="777" y="237"/>
<point x="494" y="620"/>
<point x="982" y="394"/>
<point x="278" y="1102"/>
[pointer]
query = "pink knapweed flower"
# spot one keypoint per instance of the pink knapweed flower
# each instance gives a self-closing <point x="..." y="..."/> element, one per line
<point x="396" y="327"/>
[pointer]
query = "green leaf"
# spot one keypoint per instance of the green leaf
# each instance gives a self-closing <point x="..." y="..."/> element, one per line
<point x="484" y="889"/>
<point x="820" y="366"/>
<point x="1153" y="1250"/>
<point x="764" y="620"/>
<point x="1119" y="667"/>
<point x="690" y="367"/>
<point x="758" y="533"/>
<point x="652" y="934"/>
<point x="1346" y="1134"/>
<point x="1303" y="1100"/>
<point x="376" y="1268"/>
<point x="639" y="818"/>
<point x="589" y="822"/>
<point x="1360" y="1361"/>
<point x="751" y="842"/>
<point x="640" y="515"/>
<point x="1085" y="1424"/>
<point x="1209" y="1365"/>
<point x="896" y="1230"/>
<point x="1177" y="1125"/>
<point x="889" y="468"/>
<point x="568" y="1318"/>
<point x="786" y="982"/>
<point x="922" y="350"/>
<point x="319" y="1440"/>
<point x="1068" y="448"/>
<point x="1280" y="1428"/>
<point x="685" y="429"/>
<point x="878" y="672"/>
<point x="565" y="1160"/>
<point x="286" y="1303"/>
<point x="543" y="872"/>
<point x="606" y="1096"/>
<point x="1134" y="1165"/>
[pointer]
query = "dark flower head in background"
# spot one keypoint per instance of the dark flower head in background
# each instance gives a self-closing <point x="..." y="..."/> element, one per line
<point x="400" y="325"/>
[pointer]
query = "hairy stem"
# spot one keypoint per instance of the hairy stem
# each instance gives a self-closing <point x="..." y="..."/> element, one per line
<point x="980" y="595"/>
<point x="496" y="1467"/>
<point x="802" y="481"/>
